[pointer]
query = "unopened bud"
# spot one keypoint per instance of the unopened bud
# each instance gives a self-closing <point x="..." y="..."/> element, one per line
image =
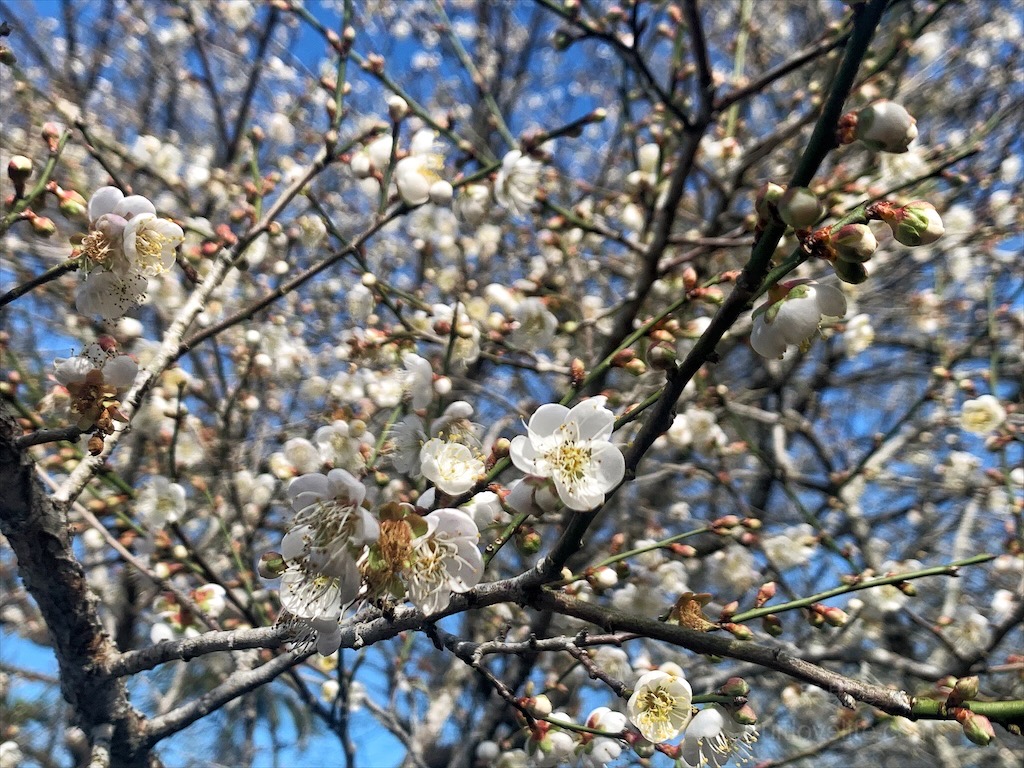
<point x="271" y="565"/>
<point x="661" y="357"/>
<point x="886" y="126"/>
<point x="539" y="706"/>
<point x="19" y="169"/>
<point x="441" y="192"/>
<point x="800" y="208"/>
<point x="7" y="56"/>
<point x="977" y="728"/>
<point x="854" y="242"/>
<point x="636" y="367"/>
<point x="767" y="201"/>
<point x="735" y="686"/>
<point x="529" y="543"/>
<point x="850" y="271"/>
<point x="398" y="108"/>
<point x="745" y="715"/>
<point x="916" y="223"/>
<point x="577" y="372"/>
<point x="815" y="618"/>
<point x="738" y="631"/>
<point x="835" y="617"/>
<point x="907" y="588"/>
<point x="764" y="594"/>
<point x="51" y="135"/>
<point x="73" y="205"/>
<point x="643" y="748"/>
<point x="43" y="226"/>
<point x="965" y="689"/>
<point x="772" y="625"/>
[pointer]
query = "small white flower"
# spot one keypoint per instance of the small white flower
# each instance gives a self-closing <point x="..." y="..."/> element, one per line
<point x="149" y="243"/>
<point x="660" y="705"/>
<point x="443" y="560"/>
<point x="793" y="317"/>
<point x="450" y="466"/>
<point x="536" y="325"/>
<point x="419" y="381"/>
<point x="329" y="532"/>
<point x="886" y="126"/>
<point x="160" y="502"/>
<point x="302" y="455"/>
<point x="858" y="335"/>
<point x="572" y="448"/>
<point x="516" y="185"/>
<point x="713" y="737"/>
<point x="110" y="295"/>
<point x="981" y="415"/>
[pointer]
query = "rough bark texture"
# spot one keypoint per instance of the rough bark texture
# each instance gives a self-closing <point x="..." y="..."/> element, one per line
<point x="37" y="532"/>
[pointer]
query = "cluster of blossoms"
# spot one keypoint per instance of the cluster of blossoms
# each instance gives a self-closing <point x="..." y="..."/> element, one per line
<point x="794" y="309"/>
<point x="126" y="245"/>
<point x="338" y="551"/>
<point x="94" y="380"/>
<point x="419" y="173"/>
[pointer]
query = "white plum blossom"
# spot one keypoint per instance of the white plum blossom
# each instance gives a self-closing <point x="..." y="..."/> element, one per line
<point x="536" y="325"/>
<point x="159" y="502"/>
<point x="126" y="245"/>
<point x="450" y="466"/>
<point x="443" y="560"/>
<point x="329" y="532"/>
<point x="516" y="185"/>
<point x="341" y="444"/>
<point x="713" y="737"/>
<point x="792" y="315"/>
<point x="109" y="294"/>
<point x="981" y="415"/>
<point x="791" y="548"/>
<point x="419" y="381"/>
<point x="660" y="705"/>
<point x="149" y="243"/>
<point x="859" y="334"/>
<point x="572" y="448"/>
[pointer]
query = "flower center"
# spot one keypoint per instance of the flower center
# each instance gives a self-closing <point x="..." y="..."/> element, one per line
<point x="96" y="247"/>
<point x="571" y="461"/>
<point x="657" y="704"/>
<point x="150" y="246"/>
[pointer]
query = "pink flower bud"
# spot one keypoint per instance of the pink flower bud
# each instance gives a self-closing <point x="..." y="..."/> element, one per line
<point x="73" y="205"/>
<point x="43" y="226"/>
<point x="800" y="208"/>
<point x="977" y="728"/>
<point x="886" y="126"/>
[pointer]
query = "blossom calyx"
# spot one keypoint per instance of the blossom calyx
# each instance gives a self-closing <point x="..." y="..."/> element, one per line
<point x="885" y="126"/>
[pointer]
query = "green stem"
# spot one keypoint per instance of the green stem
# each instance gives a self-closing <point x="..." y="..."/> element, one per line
<point x="804" y="602"/>
<point x="1000" y="711"/>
